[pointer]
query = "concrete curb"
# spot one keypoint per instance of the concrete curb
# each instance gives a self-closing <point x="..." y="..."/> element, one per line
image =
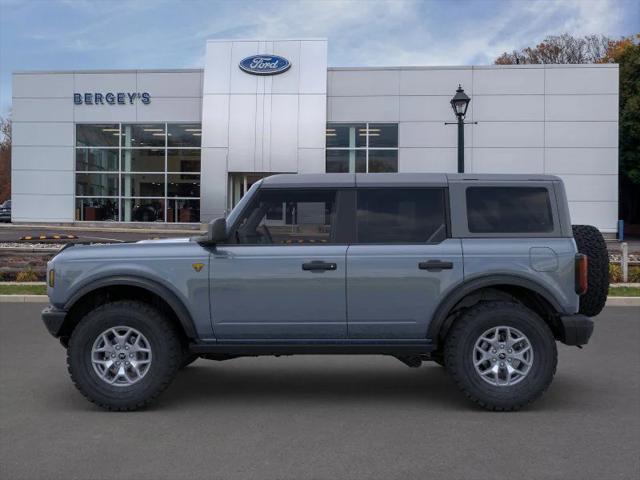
<point x="611" y="301"/>
<point x="24" y="299"/>
<point x="623" y="302"/>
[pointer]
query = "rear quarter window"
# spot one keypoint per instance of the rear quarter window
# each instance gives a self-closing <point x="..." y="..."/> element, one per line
<point x="509" y="210"/>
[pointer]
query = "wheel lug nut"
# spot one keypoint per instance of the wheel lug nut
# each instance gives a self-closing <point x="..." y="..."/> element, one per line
<point x="502" y="364"/>
<point x="126" y="347"/>
<point x="126" y="363"/>
<point x="509" y="360"/>
<point x="509" y="351"/>
<point x="494" y="359"/>
<point x="117" y="363"/>
<point x="493" y="350"/>
<point x="113" y="355"/>
<point x="131" y="355"/>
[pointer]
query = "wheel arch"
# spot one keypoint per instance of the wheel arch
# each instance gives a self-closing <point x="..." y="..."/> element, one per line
<point x="526" y="291"/>
<point x="132" y="287"/>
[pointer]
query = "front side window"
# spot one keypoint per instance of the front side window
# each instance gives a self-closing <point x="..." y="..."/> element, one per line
<point x="409" y="215"/>
<point x="509" y="210"/>
<point x="361" y="147"/>
<point x="284" y="217"/>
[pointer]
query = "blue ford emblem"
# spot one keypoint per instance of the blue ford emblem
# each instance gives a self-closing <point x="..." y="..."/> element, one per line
<point x="265" y="64"/>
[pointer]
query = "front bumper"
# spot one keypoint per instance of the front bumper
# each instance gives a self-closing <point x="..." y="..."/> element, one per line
<point x="576" y="329"/>
<point x="53" y="319"/>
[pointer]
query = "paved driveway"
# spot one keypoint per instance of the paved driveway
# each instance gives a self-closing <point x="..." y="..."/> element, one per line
<point x="320" y="417"/>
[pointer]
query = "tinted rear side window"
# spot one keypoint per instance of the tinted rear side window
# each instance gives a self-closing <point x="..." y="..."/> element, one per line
<point x="401" y="215"/>
<point x="509" y="210"/>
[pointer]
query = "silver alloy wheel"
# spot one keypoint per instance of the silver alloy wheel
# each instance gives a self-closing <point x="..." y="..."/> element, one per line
<point x="121" y="356"/>
<point x="503" y="356"/>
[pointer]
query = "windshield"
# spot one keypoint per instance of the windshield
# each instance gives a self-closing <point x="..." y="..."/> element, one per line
<point x="233" y="215"/>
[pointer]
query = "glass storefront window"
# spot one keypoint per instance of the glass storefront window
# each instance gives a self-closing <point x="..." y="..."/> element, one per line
<point x="96" y="209"/>
<point x="96" y="185"/>
<point x="345" y="161"/>
<point x="346" y="136"/>
<point x="97" y="160"/>
<point x="183" y="211"/>
<point x="180" y="185"/>
<point x="383" y="161"/>
<point x="103" y="135"/>
<point x="183" y="160"/>
<point x="361" y="147"/>
<point x="143" y="185"/>
<point x="143" y="209"/>
<point x="144" y="135"/>
<point x="383" y="135"/>
<point x="138" y="172"/>
<point x="184" y="135"/>
<point x="143" y="160"/>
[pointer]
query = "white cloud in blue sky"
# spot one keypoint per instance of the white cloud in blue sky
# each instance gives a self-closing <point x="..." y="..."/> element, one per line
<point x="87" y="34"/>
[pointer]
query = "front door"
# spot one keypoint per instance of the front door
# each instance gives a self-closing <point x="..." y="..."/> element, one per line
<point x="283" y="275"/>
<point x="401" y="264"/>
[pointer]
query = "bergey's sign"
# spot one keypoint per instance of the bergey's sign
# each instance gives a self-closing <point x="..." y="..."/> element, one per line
<point x="110" y="98"/>
<point x="265" y="64"/>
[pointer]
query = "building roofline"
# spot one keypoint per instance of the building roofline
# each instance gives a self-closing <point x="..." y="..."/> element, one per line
<point x="480" y="67"/>
<point x="262" y="40"/>
<point x="117" y="70"/>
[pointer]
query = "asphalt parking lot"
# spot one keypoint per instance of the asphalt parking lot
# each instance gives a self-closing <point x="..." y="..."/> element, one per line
<point x="320" y="417"/>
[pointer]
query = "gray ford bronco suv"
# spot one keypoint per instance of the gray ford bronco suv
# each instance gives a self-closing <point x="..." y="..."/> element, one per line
<point x="479" y="273"/>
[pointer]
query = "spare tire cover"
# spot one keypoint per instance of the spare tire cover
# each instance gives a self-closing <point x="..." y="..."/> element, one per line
<point x="590" y="242"/>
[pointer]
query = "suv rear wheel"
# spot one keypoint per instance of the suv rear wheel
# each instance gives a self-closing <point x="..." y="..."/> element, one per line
<point x="122" y="355"/>
<point x="501" y="355"/>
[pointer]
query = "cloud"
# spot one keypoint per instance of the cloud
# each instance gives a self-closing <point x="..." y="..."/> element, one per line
<point x="85" y="34"/>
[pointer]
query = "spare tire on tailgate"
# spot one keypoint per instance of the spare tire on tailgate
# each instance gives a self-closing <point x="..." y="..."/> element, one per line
<point x="590" y="242"/>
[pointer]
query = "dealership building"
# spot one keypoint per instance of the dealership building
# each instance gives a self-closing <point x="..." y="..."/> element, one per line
<point x="182" y="146"/>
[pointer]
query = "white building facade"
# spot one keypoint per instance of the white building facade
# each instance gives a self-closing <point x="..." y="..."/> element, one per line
<point x="182" y="146"/>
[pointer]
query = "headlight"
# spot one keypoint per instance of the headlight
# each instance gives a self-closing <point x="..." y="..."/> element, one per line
<point x="52" y="277"/>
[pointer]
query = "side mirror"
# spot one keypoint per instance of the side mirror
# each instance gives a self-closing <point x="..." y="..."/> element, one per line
<point x="217" y="230"/>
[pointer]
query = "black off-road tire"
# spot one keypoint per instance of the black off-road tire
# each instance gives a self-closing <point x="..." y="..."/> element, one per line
<point x="460" y="344"/>
<point x="590" y="242"/>
<point x="165" y="346"/>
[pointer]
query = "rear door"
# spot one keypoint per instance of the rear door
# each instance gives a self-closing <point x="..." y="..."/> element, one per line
<point x="402" y="262"/>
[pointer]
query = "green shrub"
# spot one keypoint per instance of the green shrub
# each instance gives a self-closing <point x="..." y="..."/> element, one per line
<point x="615" y="273"/>
<point x="634" y="273"/>
<point x="27" y="275"/>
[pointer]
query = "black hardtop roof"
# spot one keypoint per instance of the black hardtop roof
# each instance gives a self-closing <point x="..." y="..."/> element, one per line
<point x="319" y="180"/>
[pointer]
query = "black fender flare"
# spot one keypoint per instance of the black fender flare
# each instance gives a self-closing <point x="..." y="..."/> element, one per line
<point x="459" y="292"/>
<point x="177" y="305"/>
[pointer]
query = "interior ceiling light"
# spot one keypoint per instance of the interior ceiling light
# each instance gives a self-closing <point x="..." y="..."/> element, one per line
<point x="153" y="129"/>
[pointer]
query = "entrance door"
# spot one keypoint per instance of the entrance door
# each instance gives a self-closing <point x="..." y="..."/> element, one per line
<point x="402" y="262"/>
<point x="283" y="275"/>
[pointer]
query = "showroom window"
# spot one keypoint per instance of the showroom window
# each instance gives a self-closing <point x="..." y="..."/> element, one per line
<point x="362" y="147"/>
<point x="138" y="172"/>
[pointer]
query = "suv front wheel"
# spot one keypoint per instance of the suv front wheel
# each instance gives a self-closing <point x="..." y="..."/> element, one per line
<point x="123" y="354"/>
<point x="501" y="355"/>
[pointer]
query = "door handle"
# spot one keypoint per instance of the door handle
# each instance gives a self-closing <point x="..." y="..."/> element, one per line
<point x="319" y="266"/>
<point x="435" y="265"/>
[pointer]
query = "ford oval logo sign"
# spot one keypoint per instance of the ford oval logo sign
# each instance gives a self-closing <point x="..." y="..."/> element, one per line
<point x="265" y="64"/>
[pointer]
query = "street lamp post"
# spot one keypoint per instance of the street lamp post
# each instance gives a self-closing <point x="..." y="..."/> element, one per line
<point x="460" y="103"/>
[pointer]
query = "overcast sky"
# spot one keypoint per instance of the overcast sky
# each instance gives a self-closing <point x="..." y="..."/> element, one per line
<point x="92" y="34"/>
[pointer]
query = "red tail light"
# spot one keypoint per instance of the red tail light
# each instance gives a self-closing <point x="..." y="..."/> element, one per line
<point x="582" y="267"/>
